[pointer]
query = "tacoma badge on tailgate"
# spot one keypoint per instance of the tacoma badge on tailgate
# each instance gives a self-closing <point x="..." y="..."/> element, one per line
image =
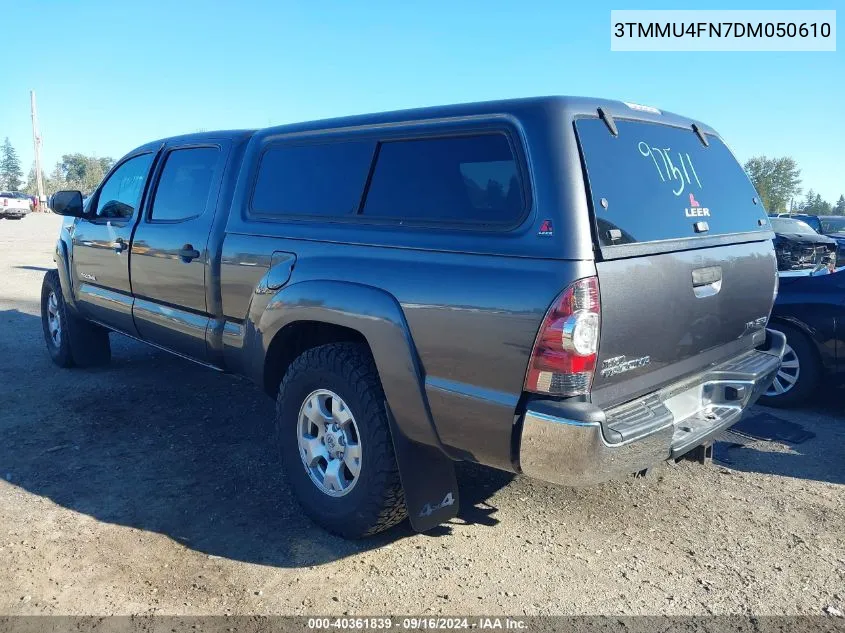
<point x="619" y="364"/>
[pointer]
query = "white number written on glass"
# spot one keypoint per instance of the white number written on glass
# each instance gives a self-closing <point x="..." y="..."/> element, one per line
<point x="682" y="176"/>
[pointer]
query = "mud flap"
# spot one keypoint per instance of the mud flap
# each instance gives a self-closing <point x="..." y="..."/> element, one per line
<point x="428" y="477"/>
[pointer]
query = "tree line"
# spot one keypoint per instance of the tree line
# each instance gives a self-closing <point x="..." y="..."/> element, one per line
<point x="73" y="171"/>
<point x="778" y="181"/>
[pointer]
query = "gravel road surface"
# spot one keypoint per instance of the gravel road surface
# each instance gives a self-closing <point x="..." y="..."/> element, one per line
<point x="151" y="487"/>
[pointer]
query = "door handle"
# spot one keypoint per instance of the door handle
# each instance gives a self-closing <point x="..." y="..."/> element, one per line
<point x="706" y="276"/>
<point x="188" y="253"/>
<point x="707" y="282"/>
<point x="119" y="245"/>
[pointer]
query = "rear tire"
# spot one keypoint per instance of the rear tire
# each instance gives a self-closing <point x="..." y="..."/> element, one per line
<point x="71" y="341"/>
<point x="800" y="373"/>
<point x="338" y="386"/>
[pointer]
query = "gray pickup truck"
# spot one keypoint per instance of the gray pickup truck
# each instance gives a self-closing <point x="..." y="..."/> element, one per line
<point x="574" y="289"/>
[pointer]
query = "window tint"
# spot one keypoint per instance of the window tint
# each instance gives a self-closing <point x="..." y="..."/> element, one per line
<point x="655" y="182"/>
<point x="122" y="191"/>
<point x="185" y="183"/>
<point x="455" y="179"/>
<point x="317" y="179"/>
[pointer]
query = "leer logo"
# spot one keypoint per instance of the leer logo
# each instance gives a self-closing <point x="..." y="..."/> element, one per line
<point x="546" y="228"/>
<point x="695" y="210"/>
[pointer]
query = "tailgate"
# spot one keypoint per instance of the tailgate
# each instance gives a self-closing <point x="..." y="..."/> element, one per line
<point x="669" y="315"/>
<point x="686" y="266"/>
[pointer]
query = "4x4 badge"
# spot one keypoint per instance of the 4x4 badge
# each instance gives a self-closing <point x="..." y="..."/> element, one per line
<point x="429" y="509"/>
<point x="546" y="228"/>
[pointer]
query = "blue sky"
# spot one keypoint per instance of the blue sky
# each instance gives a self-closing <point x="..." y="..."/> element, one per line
<point x="112" y="75"/>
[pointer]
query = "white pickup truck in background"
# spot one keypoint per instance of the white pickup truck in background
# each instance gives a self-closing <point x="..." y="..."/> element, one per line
<point x="14" y="205"/>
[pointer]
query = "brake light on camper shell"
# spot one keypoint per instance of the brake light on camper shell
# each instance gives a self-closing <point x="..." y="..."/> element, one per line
<point x="563" y="360"/>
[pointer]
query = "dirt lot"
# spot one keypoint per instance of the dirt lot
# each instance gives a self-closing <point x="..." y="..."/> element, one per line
<point x="151" y="487"/>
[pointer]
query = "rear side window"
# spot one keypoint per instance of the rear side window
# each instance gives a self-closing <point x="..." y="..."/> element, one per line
<point x="184" y="184"/>
<point x="452" y="179"/>
<point x="322" y="179"/>
<point x="656" y="182"/>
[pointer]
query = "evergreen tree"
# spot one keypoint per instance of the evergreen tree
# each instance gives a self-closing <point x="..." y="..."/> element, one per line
<point x="808" y="203"/>
<point x="11" y="174"/>
<point x="816" y="205"/>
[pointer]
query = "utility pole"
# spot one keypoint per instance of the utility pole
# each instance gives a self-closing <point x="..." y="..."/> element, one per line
<point x="36" y="140"/>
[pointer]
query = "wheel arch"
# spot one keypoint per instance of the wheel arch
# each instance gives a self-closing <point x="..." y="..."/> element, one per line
<point x="295" y="338"/>
<point x="350" y="309"/>
<point x="804" y="330"/>
<point x="62" y="258"/>
<point x="315" y="312"/>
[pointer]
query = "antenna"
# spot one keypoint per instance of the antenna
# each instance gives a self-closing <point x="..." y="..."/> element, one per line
<point x="36" y="140"/>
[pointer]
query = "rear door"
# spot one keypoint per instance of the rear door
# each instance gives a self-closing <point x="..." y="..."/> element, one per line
<point x="170" y="254"/>
<point x="686" y="266"/>
<point x="100" y="262"/>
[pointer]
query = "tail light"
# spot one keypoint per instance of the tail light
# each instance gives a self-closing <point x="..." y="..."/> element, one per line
<point x="5" y="202"/>
<point x="563" y="360"/>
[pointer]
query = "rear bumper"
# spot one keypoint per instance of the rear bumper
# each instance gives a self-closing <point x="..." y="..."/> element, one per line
<point x="10" y="212"/>
<point x="660" y="426"/>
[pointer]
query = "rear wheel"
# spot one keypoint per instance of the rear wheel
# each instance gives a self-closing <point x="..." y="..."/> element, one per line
<point x="799" y="373"/>
<point x="71" y="341"/>
<point x="334" y="438"/>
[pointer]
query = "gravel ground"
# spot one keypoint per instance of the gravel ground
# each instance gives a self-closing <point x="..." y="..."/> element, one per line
<point x="151" y="486"/>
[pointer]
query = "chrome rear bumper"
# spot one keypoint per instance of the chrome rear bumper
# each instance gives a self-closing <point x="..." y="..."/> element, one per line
<point x="663" y="425"/>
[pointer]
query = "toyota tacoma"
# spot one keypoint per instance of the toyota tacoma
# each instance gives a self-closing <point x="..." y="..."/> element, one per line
<point x="574" y="289"/>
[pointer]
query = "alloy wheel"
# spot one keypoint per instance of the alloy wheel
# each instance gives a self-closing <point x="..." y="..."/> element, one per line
<point x="787" y="375"/>
<point x="329" y="443"/>
<point x="54" y="320"/>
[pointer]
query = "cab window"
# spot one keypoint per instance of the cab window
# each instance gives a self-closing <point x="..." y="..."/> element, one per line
<point x="185" y="184"/>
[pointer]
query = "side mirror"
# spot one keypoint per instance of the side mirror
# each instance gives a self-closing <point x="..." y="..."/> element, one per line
<point x="67" y="203"/>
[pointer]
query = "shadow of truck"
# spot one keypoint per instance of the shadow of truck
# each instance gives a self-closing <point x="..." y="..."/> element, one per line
<point x="157" y="443"/>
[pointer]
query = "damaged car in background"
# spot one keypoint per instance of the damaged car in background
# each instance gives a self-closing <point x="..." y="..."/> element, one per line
<point x="832" y="226"/>
<point x="799" y="248"/>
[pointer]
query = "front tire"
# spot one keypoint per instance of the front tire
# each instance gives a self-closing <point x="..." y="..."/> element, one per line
<point x="71" y="341"/>
<point x="799" y="374"/>
<point x="335" y="443"/>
